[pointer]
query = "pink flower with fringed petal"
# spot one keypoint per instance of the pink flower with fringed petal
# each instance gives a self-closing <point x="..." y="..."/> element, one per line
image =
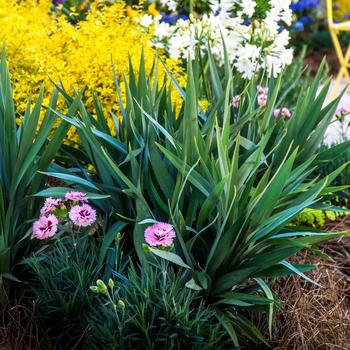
<point x="45" y="227"/>
<point x="82" y="215"/>
<point x="160" y="234"/>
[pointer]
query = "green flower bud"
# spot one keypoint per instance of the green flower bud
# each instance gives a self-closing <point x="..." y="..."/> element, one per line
<point x="118" y="237"/>
<point x="121" y="304"/>
<point x="101" y="286"/>
<point x="94" y="289"/>
<point x="110" y="283"/>
<point x="61" y="212"/>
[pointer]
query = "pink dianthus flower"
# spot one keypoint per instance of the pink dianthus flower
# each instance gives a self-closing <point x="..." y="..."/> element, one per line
<point x="160" y="234"/>
<point x="45" y="227"/>
<point x="76" y="196"/>
<point x="82" y="215"/>
<point x="50" y="204"/>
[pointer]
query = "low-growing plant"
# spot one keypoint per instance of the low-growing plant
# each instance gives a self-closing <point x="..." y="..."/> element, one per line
<point x="150" y="308"/>
<point x="60" y="277"/>
<point x="25" y="151"/>
<point x="61" y="272"/>
<point x="228" y="180"/>
<point x="315" y="218"/>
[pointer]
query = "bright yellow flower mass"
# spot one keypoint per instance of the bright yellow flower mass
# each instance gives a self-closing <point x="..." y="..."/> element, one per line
<point x="41" y="47"/>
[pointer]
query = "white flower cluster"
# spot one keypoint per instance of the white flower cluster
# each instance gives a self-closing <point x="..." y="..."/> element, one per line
<point x="171" y="5"/>
<point x="252" y="43"/>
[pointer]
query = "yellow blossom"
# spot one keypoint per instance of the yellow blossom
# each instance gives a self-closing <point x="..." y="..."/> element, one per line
<point x="152" y="10"/>
<point x="94" y="4"/>
<point x="205" y="104"/>
<point x="130" y="12"/>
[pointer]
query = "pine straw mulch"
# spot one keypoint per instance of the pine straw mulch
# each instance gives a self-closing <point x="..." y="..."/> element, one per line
<point x="314" y="318"/>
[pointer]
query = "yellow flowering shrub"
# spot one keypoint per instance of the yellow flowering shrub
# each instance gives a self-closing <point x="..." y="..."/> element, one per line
<point x="41" y="47"/>
<point x="341" y="10"/>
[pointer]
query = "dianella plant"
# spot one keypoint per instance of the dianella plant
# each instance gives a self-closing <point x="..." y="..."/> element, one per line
<point x="229" y="179"/>
<point x="26" y="149"/>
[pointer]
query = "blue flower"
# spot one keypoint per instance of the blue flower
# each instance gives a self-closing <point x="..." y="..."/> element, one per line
<point x="246" y="22"/>
<point x="172" y="19"/>
<point x="303" y="5"/>
<point x="168" y="19"/>
<point x="306" y="19"/>
<point x="183" y="17"/>
<point x="298" y="26"/>
<point x="58" y="2"/>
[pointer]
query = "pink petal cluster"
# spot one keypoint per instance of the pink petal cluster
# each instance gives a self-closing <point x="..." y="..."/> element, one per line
<point x="45" y="227"/>
<point x="284" y="112"/>
<point x="160" y="234"/>
<point x="50" y="204"/>
<point x="82" y="215"/>
<point x="236" y="101"/>
<point x="341" y="111"/>
<point x="76" y="196"/>
<point x="262" y="95"/>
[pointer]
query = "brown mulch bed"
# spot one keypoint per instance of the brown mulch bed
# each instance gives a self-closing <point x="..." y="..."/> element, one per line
<point x="312" y="317"/>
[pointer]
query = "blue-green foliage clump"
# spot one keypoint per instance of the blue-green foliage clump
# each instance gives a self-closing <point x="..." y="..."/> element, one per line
<point x="152" y="307"/>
